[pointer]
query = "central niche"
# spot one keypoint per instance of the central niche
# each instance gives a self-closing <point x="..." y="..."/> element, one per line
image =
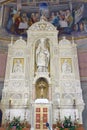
<point x="42" y="55"/>
<point x="42" y="88"/>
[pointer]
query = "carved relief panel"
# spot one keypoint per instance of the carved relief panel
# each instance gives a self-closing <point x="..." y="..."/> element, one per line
<point x="66" y="65"/>
<point x="18" y="65"/>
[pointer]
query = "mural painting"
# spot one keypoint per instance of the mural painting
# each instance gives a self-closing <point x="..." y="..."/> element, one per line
<point x="68" y="21"/>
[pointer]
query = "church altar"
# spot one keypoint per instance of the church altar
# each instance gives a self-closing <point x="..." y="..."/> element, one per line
<point x="42" y="82"/>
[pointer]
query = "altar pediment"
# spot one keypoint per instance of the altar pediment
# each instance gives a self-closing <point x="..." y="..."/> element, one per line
<point x="42" y="25"/>
<point x="20" y="43"/>
<point x="64" y="41"/>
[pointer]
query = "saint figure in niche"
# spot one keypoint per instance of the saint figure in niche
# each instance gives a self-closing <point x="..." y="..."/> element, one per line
<point x="42" y="56"/>
<point x="18" y="67"/>
<point x="66" y="67"/>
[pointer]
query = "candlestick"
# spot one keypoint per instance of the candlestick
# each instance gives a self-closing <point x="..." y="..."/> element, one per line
<point x="9" y="116"/>
<point x="59" y="114"/>
<point x="74" y="106"/>
<point x="9" y="103"/>
<point x="74" y="103"/>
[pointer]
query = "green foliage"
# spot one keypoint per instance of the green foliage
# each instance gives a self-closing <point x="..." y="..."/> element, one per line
<point x="16" y="123"/>
<point x="67" y="122"/>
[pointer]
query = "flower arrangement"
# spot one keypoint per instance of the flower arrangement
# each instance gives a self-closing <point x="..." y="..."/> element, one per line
<point x="16" y="124"/>
<point x="67" y="123"/>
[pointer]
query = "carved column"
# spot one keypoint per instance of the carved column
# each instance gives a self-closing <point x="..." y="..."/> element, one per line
<point x="50" y="93"/>
<point x="33" y="92"/>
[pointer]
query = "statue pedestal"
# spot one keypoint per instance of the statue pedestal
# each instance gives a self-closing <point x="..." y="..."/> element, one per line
<point x="39" y="74"/>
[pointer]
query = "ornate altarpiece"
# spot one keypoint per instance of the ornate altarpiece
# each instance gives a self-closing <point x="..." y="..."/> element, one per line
<point x="42" y="82"/>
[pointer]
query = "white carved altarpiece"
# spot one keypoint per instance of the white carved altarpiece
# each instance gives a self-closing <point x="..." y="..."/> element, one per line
<point x="42" y="59"/>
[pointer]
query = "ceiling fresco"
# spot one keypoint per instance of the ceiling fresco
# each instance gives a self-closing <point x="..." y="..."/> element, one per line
<point x="70" y="18"/>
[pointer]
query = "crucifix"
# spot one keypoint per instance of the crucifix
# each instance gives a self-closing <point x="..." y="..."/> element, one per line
<point x="42" y="87"/>
<point x="74" y="106"/>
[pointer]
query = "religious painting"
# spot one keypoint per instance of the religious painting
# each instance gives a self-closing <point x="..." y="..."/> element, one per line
<point x="68" y="20"/>
<point x="66" y="65"/>
<point x="44" y="9"/>
<point x="18" y="65"/>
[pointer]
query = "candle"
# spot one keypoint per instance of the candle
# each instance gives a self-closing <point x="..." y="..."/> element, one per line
<point x="74" y="102"/>
<point x="10" y="103"/>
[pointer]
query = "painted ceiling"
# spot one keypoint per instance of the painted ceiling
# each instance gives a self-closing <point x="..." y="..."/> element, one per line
<point x="78" y="30"/>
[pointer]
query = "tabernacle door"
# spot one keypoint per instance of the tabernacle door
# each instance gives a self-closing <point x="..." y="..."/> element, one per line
<point x="41" y="116"/>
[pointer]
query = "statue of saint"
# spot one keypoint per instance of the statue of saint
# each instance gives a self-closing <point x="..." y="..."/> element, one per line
<point x="42" y="57"/>
<point x="66" y="67"/>
<point x="18" y="66"/>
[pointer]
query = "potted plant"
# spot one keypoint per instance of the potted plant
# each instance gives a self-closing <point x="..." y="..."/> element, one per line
<point x="67" y="124"/>
<point x="15" y="124"/>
